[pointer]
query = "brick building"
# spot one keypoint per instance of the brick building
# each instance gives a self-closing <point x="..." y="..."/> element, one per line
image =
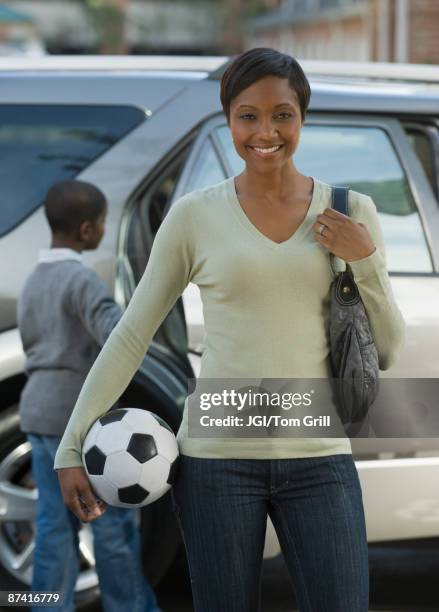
<point x="371" y="30"/>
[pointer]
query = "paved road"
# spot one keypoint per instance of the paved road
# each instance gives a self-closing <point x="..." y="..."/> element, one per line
<point x="402" y="580"/>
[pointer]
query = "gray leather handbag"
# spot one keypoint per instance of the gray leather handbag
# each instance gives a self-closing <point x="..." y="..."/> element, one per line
<point x="354" y="357"/>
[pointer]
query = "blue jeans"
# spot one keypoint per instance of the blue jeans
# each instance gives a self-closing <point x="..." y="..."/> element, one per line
<point x="316" y="508"/>
<point x="117" y="544"/>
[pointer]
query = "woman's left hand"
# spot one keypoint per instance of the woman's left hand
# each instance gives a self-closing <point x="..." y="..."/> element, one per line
<point x="343" y="236"/>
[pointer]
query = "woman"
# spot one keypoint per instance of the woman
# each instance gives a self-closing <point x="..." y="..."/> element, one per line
<point x="258" y="246"/>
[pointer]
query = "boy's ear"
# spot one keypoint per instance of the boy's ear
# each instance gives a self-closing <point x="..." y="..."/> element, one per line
<point x="85" y="230"/>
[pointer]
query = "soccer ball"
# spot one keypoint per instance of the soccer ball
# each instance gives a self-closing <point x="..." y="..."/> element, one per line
<point x="130" y="456"/>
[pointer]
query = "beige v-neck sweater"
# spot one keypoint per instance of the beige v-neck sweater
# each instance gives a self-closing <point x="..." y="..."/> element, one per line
<point x="265" y="310"/>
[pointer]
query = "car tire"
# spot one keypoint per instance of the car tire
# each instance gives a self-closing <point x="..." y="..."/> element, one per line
<point x="159" y="530"/>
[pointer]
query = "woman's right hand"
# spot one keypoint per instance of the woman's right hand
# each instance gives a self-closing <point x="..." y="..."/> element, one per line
<point x="78" y="495"/>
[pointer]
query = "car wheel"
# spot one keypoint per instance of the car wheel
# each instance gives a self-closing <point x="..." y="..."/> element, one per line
<point x="18" y="497"/>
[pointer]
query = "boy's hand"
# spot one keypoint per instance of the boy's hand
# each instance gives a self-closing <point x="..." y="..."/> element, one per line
<point x="78" y="495"/>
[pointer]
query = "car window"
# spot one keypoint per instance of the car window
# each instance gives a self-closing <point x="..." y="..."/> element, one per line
<point x="207" y="169"/>
<point x="147" y="213"/>
<point x="364" y="159"/>
<point x="42" y="144"/>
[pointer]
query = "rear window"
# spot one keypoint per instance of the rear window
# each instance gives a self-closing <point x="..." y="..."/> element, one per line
<point x="43" y="144"/>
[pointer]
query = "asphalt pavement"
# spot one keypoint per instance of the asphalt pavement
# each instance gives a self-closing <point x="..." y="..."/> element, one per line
<point x="402" y="580"/>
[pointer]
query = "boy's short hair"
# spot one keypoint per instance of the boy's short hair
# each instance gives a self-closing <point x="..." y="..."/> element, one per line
<point x="260" y="62"/>
<point x="69" y="203"/>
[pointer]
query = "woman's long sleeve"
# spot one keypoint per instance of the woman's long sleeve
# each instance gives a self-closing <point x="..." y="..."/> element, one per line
<point x="166" y="275"/>
<point x="370" y="274"/>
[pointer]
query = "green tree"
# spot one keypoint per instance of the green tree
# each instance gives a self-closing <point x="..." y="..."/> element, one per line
<point x="109" y="20"/>
<point x="236" y="14"/>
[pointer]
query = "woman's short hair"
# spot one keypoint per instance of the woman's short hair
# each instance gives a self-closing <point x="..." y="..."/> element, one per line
<point x="71" y="202"/>
<point x="260" y="62"/>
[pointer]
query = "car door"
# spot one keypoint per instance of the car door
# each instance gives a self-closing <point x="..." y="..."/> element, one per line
<point x="166" y="366"/>
<point x="373" y="156"/>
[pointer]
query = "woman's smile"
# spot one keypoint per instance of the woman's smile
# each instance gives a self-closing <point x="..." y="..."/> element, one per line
<point x="265" y="151"/>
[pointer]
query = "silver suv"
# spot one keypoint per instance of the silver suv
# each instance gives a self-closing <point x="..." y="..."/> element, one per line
<point x="146" y="131"/>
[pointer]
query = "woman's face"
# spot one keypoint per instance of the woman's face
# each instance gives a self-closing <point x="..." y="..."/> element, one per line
<point x="265" y="122"/>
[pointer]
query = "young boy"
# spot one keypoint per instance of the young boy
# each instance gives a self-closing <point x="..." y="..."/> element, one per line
<point x="65" y="316"/>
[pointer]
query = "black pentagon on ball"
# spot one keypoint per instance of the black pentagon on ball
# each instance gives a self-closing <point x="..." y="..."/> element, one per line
<point x="142" y="447"/>
<point x="161" y="421"/>
<point x="173" y="471"/>
<point x="135" y="494"/>
<point x="95" y="461"/>
<point x="112" y="416"/>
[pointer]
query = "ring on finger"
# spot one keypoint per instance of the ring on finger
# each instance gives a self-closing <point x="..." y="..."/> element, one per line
<point x="321" y="229"/>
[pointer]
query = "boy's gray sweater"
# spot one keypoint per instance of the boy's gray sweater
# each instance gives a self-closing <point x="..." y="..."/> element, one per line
<point x="65" y="315"/>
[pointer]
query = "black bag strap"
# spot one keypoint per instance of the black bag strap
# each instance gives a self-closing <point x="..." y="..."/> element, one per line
<point x="340" y="199"/>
